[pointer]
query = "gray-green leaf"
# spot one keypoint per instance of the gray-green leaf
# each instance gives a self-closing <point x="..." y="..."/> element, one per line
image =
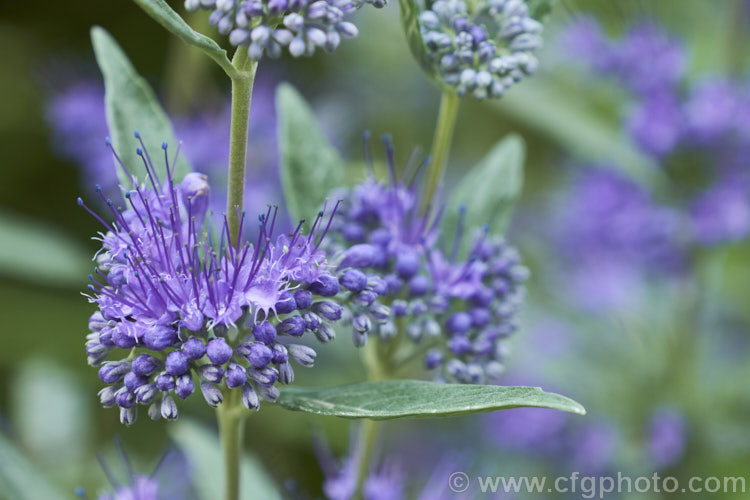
<point x="415" y="398"/>
<point x="20" y="480"/>
<point x="490" y="189"/>
<point x="569" y="120"/>
<point x="310" y="166"/>
<point x="162" y="13"/>
<point x="132" y="105"/>
<point x="41" y="254"/>
<point x="201" y="446"/>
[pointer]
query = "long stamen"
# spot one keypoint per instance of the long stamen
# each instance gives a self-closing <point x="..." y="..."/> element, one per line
<point x="140" y="153"/>
<point x="108" y="142"/>
<point x="328" y="226"/>
<point x="148" y="158"/>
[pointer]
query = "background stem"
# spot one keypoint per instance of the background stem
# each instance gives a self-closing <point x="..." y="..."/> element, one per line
<point x="242" y="92"/>
<point x="368" y="433"/>
<point x="376" y="370"/>
<point x="231" y="431"/>
<point x="441" y="143"/>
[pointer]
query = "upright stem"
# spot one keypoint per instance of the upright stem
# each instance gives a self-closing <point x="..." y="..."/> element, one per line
<point x="231" y="430"/>
<point x="242" y="92"/>
<point x="229" y="418"/>
<point x="368" y="432"/>
<point x="441" y="143"/>
<point x="367" y="435"/>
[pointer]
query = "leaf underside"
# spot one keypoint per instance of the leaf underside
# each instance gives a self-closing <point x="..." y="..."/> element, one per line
<point x="414" y="398"/>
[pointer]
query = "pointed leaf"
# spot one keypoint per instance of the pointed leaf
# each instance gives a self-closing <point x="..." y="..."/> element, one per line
<point x="132" y="105"/>
<point x="415" y="398"/>
<point x="203" y="451"/>
<point x="490" y="189"/>
<point x="162" y="13"/>
<point x="567" y="118"/>
<point x="38" y="253"/>
<point x="310" y="166"/>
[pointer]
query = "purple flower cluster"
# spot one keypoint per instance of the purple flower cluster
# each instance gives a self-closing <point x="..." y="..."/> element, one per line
<point x="644" y="60"/>
<point x="457" y="310"/>
<point x="142" y="488"/>
<point x="612" y="235"/>
<point x="387" y="480"/>
<point x="481" y="48"/>
<point x="267" y="26"/>
<point x="672" y="118"/>
<point x="180" y="306"/>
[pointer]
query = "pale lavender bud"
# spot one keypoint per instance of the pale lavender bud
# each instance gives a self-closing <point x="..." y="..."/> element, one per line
<point x="294" y="22"/>
<point x="325" y="333"/>
<point x="286" y="373"/>
<point x="212" y="373"/>
<point x="128" y="415"/>
<point x="269" y="392"/>
<point x="154" y="411"/>
<point x="169" y="408"/>
<point x="250" y="398"/>
<point x="239" y="36"/>
<point x="264" y="376"/>
<point x="302" y="354"/>
<point x="107" y="396"/>
<point x="211" y="394"/>
<point x="297" y="47"/>
<point x="283" y="37"/>
<point x="145" y="394"/>
<point x="347" y="29"/>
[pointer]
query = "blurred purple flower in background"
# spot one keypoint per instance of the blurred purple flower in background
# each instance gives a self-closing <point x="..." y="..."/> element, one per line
<point x="722" y="212"/>
<point x="529" y="430"/>
<point x="77" y="118"/>
<point x="711" y="110"/>
<point x="612" y="235"/>
<point x="667" y="437"/>
<point x="644" y="60"/>
<point x="593" y="447"/>
<point x="693" y="128"/>
<point x="656" y="124"/>
<point x="79" y="126"/>
<point x="142" y="488"/>
<point x="412" y="472"/>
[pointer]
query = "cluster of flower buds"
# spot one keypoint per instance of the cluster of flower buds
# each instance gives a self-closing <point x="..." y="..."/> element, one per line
<point x="457" y="311"/>
<point x="478" y="301"/>
<point x="480" y="48"/>
<point x="267" y="26"/>
<point x="180" y="310"/>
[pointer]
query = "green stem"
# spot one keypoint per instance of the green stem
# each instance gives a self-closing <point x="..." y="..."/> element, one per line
<point x="376" y="370"/>
<point x="230" y="420"/>
<point x="368" y="432"/>
<point x="441" y="143"/>
<point x="231" y="431"/>
<point x="242" y="93"/>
